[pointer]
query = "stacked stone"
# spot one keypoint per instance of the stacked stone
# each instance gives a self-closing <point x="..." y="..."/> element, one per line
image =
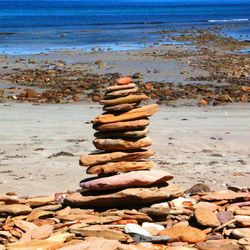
<point x="122" y="135"/>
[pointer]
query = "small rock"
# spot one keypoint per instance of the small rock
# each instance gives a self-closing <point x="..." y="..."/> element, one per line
<point x="206" y="217"/>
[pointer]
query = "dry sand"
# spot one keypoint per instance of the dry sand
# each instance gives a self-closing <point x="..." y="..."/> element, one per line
<point x="209" y="145"/>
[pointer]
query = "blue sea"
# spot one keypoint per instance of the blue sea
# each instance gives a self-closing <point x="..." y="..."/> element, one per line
<point x="45" y="25"/>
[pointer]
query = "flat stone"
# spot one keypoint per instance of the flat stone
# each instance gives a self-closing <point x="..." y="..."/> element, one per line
<point x="124" y="80"/>
<point x="103" y="232"/>
<point x="206" y="217"/>
<point x="123" y="92"/>
<point x="120" y="126"/>
<point x="53" y="242"/>
<point x="120" y="87"/>
<point x="119" y="144"/>
<point x="126" y="214"/>
<point x="206" y="205"/>
<point x="122" y="166"/>
<point x="124" y="198"/>
<point x="225" y="195"/>
<point x="218" y="245"/>
<point x="243" y="220"/>
<point x="37" y="214"/>
<point x="225" y="216"/>
<point x="42" y="232"/>
<point x="241" y="232"/>
<point x="97" y="243"/>
<point x="133" y="114"/>
<point x="25" y="225"/>
<point x="126" y="99"/>
<point x="97" y="159"/>
<point x="123" y="134"/>
<point x="126" y="180"/>
<point x="242" y="211"/>
<point x="40" y="201"/>
<point x="120" y="107"/>
<point x="15" y="209"/>
<point x="185" y="234"/>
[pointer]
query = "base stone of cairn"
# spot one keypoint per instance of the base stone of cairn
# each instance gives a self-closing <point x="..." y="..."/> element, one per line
<point x="124" y="175"/>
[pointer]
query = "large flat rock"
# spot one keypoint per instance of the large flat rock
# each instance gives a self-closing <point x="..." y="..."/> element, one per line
<point x="102" y="158"/>
<point x="121" y="126"/>
<point x="122" y="166"/>
<point x="133" y="114"/>
<point x="123" y="134"/>
<point x="130" y="197"/>
<point x="126" y="99"/>
<point x="127" y="180"/>
<point x="123" y="92"/>
<point x="120" y="107"/>
<point x="119" y="144"/>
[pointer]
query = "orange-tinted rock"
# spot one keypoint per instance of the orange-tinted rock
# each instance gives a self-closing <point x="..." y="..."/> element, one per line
<point x="185" y="233"/>
<point x="122" y="166"/>
<point x="120" y="107"/>
<point x="128" y="125"/>
<point x="244" y="98"/>
<point x="124" y="80"/>
<point x="206" y="205"/>
<point x="225" y="195"/>
<point x="123" y="92"/>
<point x="120" y="87"/>
<point x="42" y="232"/>
<point x="15" y="209"/>
<point x="126" y="99"/>
<point x="29" y="93"/>
<point x="126" y="180"/>
<point x="218" y="245"/>
<point x="95" y="159"/>
<point x="206" y="217"/>
<point x="123" y="134"/>
<point x="53" y="242"/>
<point x="245" y="89"/>
<point x="202" y="102"/>
<point x="119" y="144"/>
<point x="133" y="114"/>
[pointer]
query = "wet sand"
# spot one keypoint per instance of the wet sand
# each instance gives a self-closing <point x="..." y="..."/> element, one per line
<point x="208" y="145"/>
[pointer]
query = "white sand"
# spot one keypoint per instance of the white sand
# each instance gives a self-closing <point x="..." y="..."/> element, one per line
<point x="212" y="146"/>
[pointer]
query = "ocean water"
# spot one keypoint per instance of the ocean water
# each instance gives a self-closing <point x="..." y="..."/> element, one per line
<point x="36" y="26"/>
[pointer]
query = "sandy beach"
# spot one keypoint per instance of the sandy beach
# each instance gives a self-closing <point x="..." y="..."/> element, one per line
<point x="40" y="145"/>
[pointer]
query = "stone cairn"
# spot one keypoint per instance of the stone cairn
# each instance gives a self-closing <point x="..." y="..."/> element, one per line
<point x="122" y="135"/>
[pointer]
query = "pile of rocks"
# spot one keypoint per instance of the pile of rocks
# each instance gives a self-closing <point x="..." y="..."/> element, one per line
<point x="121" y="135"/>
<point x="194" y="220"/>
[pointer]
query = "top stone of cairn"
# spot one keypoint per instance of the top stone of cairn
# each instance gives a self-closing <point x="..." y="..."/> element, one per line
<point x="124" y="80"/>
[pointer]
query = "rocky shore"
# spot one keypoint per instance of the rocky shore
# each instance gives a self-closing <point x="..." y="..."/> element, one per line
<point x="206" y="69"/>
<point x="130" y="202"/>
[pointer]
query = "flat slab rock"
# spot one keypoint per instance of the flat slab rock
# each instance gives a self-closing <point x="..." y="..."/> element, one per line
<point x="225" y="195"/>
<point x="126" y="180"/>
<point x="126" y="99"/>
<point x="123" y="134"/>
<point x="185" y="234"/>
<point x="133" y="114"/>
<point x="123" y="92"/>
<point x="120" y="107"/>
<point x="122" y="166"/>
<point x="119" y="144"/>
<point x="120" y="87"/>
<point x="120" y="126"/>
<point x="102" y="158"/>
<point x="130" y="197"/>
